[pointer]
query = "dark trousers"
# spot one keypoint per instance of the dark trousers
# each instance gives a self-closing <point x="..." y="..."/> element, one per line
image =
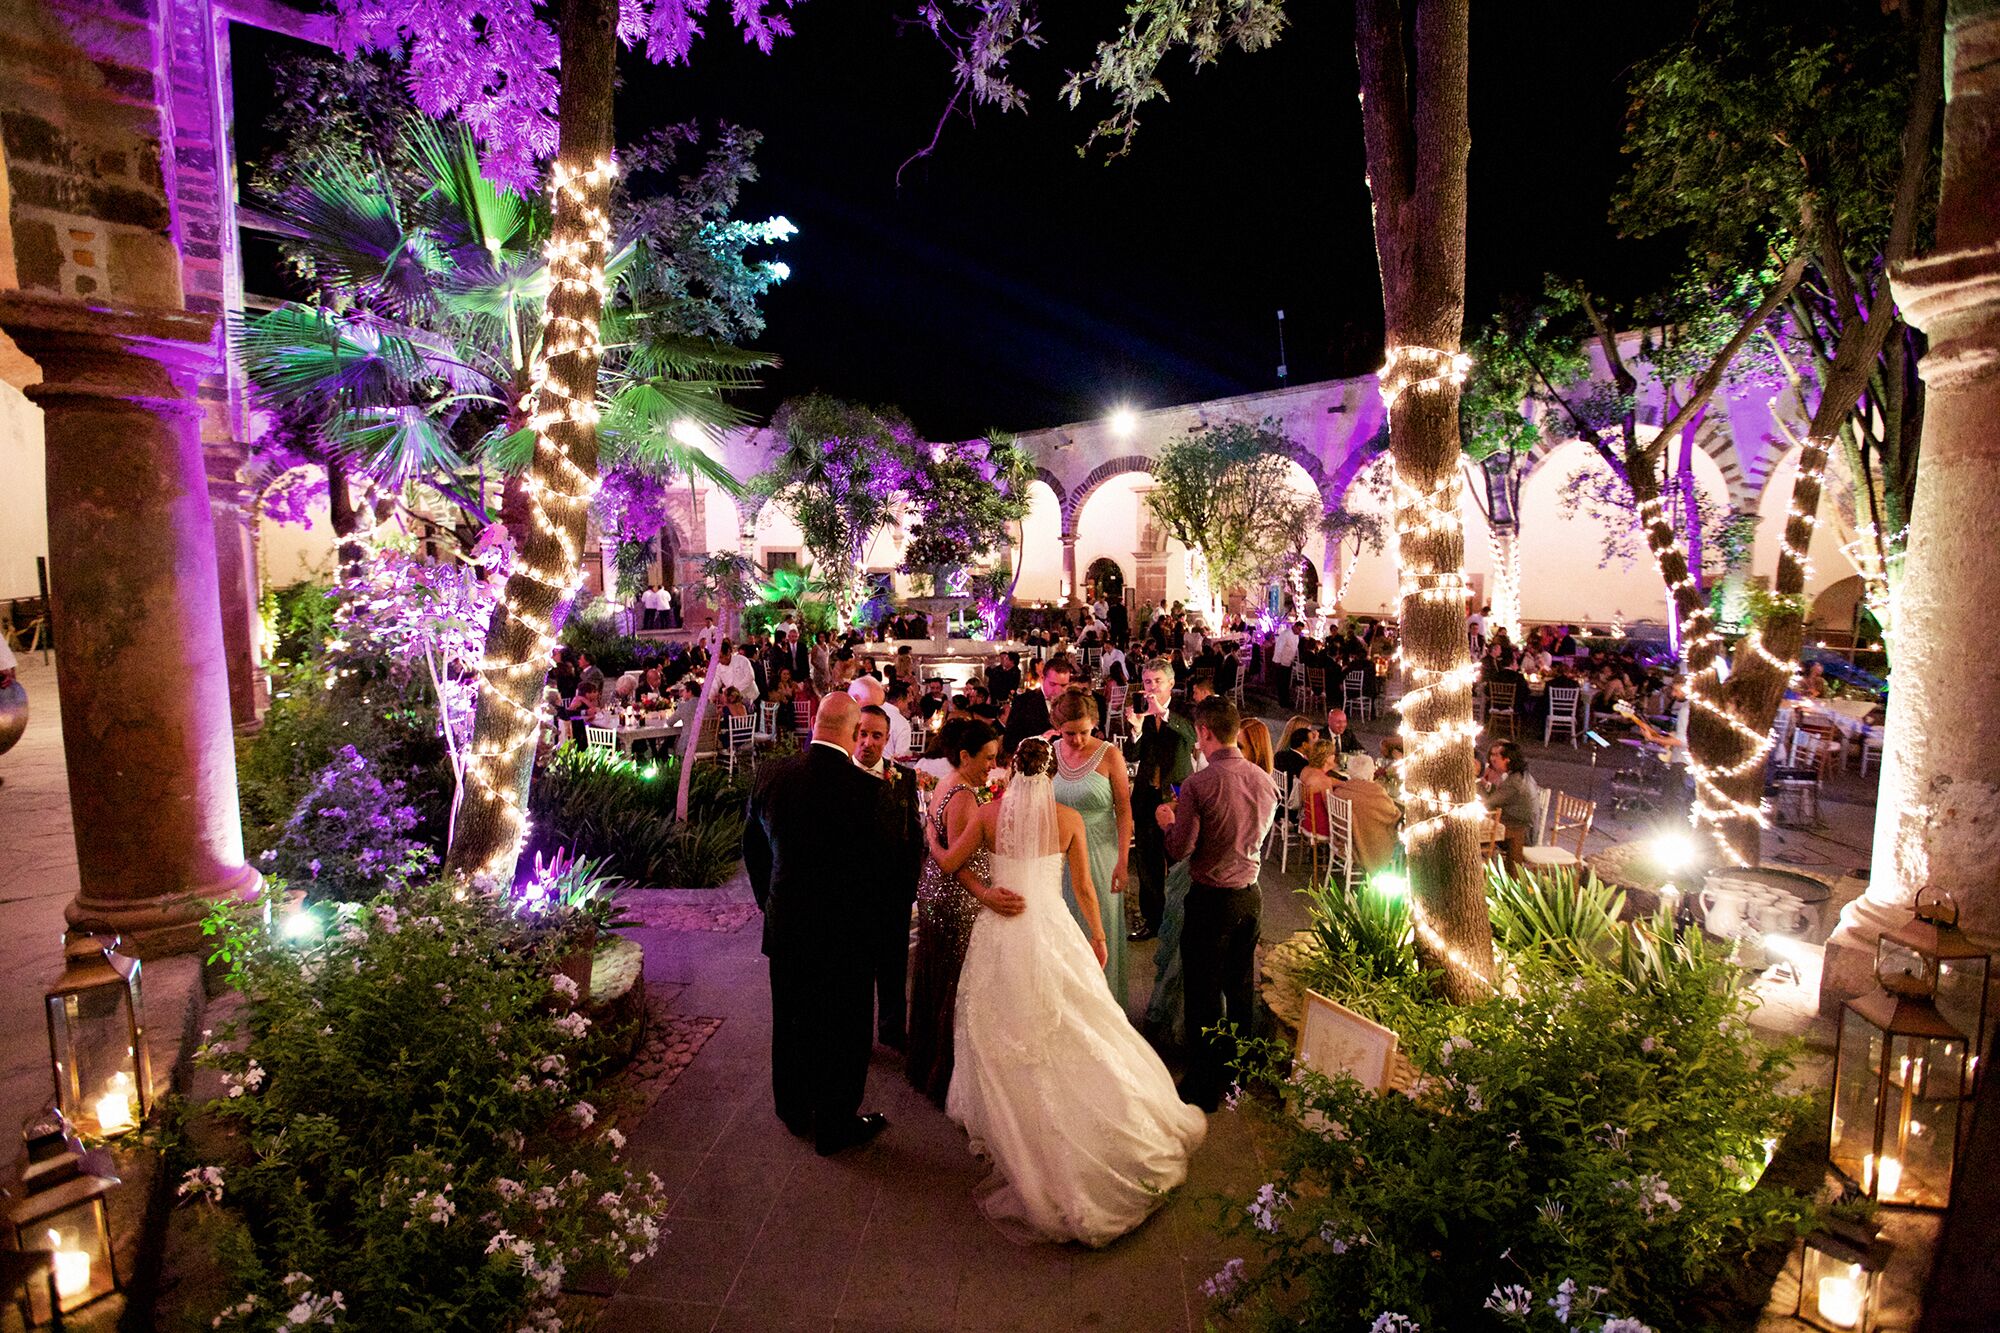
<point x="1219" y="971"/>
<point x="819" y="1038"/>
<point x="892" y="974"/>
<point x="1149" y="847"/>
<point x="1280" y="680"/>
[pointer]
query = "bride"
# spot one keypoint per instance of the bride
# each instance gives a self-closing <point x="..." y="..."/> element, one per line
<point x="1077" y="1114"/>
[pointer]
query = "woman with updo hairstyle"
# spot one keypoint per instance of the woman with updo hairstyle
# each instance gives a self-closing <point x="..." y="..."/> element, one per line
<point x="946" y="906"/>
<point x="1090" y="778"/>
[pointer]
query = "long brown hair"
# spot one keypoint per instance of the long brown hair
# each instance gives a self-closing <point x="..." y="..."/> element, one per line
<point x="1254" y="740"/>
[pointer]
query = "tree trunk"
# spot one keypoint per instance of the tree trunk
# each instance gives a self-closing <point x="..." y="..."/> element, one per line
<point x="563" y="475"/>
<point x="1414" y="124"/>
<point x="346" y="521"/>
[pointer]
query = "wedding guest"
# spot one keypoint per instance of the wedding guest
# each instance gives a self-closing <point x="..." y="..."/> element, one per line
<point x="798" y="850"/>
<point x="1029" y="714"/>
<point x="587" y="670"/>
<point x="898" y="853"/>
<point x="732" y="702"/>
<point x="1298" y="737"/>
<point x="1388" y="767"/>
<point x="1813" y="684"/>
<point x="1339" y="733"/>
<point x="1255" y="743"/>
<point x="1372" y="815"/>
<point x="1284" y="652"/>
<point x="734" y="668"/>
<point x="896" y="700"/>
<point x="1091" y="780"/>
<point x="1506" y="789"/>
<point x="1316" y="780"/>
<point x="946" y="906"/>
<point x="1217" y="823"/>
<point x="1166" y="744"/>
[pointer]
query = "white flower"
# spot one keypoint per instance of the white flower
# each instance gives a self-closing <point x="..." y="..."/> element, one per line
<point x="499" y="1241"/>
<point x="615" y="1139"/>
<point x="573" y="1025"/>
<point x="564" y="985"/>
<point x="1647" y="1045"/>
<point x="1624" y="1326"/>
<point x="584" y="1114"/>
<point x="204" y="1182"/>
<point x="1391" y="1322"/>
<point x="551" y="1064"/>
<point x="508" y="1190"/>
<point x="1516" y="1300"/>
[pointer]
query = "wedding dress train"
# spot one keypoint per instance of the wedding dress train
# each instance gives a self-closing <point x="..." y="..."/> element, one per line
<point x="1053" y="1084"/>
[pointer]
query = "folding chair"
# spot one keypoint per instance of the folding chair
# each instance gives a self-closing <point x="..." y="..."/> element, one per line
<point x="1500" y="708"/>
<point x="1573" y="815"/>
<point x="1281" y="825"/>
<point x="1871" y="743"/>
<point x="1354" y="695"/>
<point x="1114" y="708"/>
<point x="1312" y="690"/>
<point x="1795" y="787"/>
<point x="601" y="738"/>
<point x="738" y="735"/>
<point x="1562" y="713"/>
<point x="767" y="724"/>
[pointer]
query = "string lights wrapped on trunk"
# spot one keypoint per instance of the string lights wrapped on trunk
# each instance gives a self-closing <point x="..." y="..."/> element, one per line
<point x="1701" y="647"/>
<point x="547" y="568"/>
<point x="1436" y="707"/>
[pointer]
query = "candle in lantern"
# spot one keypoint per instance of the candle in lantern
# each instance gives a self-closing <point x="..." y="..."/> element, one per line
<point x="1887" y="1176"/>
<point x="1840" y="1298"/>
<point x="72" y="1269"/>
<point x="114" y="1108"/>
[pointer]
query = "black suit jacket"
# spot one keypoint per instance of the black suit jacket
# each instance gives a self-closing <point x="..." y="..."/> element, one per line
<point x="812" y="879"/>
<point x="1028" y="716"/>
<point x="900" y="838"/>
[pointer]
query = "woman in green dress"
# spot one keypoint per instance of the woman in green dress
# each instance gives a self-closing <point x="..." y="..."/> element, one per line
<point x="1091" y="780"/>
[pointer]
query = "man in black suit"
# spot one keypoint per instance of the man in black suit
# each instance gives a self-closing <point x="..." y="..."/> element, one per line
<point x="898" y="851"/>
<point x="814" y="883"/>
<point x="1166" y="757"/>
<point x="1029" y="714"/>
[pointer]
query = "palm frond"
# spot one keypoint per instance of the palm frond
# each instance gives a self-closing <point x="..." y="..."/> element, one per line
<point x="350" y="223"/>
<point x="397" y="446"/>
<point x="298" y="356"/>
<point x="493" y="220"/>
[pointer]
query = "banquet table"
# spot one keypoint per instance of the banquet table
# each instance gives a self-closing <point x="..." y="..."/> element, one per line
<point x="647" y="731"/>
<point x="1848" y="716"/>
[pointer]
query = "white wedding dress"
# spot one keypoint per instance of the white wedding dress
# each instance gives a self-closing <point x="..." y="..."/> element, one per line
<point x="1053" y="1084"/>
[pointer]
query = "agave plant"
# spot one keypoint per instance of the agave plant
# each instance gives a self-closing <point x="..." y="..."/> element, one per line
<point x="1554" y="913"/>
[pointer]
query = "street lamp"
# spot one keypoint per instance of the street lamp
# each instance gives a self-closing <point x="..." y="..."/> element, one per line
<point x="1124" y="423"/>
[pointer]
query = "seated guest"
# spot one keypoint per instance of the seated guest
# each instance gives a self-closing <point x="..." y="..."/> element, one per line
<point x="1537" y="660"/>
<point x="732" y="703"/>
<point x="1315" y="781"/>
<point x="652" y="686"/>
<point x="978" y="704"/>
<point x="1374" y="816"/>
<point x="1566" y="641"/>
<point x="1506" y="789"/>
<point x="1254" y="740"/>
<point x="1813" y="684"/>
<point x="585" y="708"/>
<point x="1298" y="738"/>
<point x="1340" y="733"/>
<point x="1201" y="685"/>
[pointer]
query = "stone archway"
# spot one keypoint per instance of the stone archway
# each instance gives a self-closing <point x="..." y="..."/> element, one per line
<point x="1106" y="579"/>
<point x="1073" y="502"/>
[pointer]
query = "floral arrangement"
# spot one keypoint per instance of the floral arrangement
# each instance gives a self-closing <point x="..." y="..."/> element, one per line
<point x="412" y="1141"/>
<point x="350" y="836"/>
<point x="1582" y="1150"/>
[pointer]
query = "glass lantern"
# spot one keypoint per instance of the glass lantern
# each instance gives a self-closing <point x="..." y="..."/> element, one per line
<point x="1899" y="1082"/>
<point x="63" y="1214"/>
<point x="1957" y="971"/>
<point x="1838" y="1267"/>
<point x="97" y="1039"/>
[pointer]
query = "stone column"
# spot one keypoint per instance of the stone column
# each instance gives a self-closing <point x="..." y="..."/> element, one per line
<point x="1069" y="569"/>
<point x="1937" y="820"/>
<point x="141" y="666"/>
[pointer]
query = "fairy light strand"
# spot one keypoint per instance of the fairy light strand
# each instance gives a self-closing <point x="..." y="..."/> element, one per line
<point x="1431" y="511"/>
<point x="559" y="489"/>
<point x="1714" y="808"/>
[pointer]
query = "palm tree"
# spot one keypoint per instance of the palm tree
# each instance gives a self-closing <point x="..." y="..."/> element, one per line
<point x="411" y="365"/>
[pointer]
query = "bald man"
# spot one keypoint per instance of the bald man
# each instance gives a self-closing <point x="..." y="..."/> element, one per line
<point x="812" y="881"/>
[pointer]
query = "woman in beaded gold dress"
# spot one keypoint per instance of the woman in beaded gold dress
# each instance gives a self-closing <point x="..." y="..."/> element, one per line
<point x="946" y="907"/>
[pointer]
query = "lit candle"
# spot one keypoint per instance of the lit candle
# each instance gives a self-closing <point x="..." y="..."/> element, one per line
<point x="114" y="1108"/>
<point x="1840" y="1299"/>
<point x="72" y="1270"/>
<point x="1886" y="1176"/>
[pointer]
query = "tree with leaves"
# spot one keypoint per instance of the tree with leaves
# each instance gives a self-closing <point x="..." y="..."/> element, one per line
<point x="1823" y="166"/>
<point x="1227" y="495"/>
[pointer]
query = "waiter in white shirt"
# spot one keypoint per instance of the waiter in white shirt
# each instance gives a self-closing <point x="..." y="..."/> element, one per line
<point x="1284" y="652"/>
<point x="733" y="668"/>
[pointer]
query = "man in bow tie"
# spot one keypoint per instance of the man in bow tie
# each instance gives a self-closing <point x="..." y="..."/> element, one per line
<point x="900" y="837"/>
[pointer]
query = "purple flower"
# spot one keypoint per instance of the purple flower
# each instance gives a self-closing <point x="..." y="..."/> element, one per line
<point x="1225" y="1282"/>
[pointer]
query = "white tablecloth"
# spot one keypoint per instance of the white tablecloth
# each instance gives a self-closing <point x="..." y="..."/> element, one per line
<point x="1848" y="716"/>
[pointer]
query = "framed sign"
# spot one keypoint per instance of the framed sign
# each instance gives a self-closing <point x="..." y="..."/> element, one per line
<point x="1334" y="1040"/>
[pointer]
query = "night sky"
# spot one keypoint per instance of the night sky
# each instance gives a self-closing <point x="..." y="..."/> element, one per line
<point x="1009" y="283"/>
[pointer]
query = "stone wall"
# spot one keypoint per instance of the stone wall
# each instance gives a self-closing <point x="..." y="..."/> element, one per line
<point x="89" y="211"/>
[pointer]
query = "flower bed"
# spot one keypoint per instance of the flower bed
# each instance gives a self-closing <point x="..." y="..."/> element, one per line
<point x="1580" y="1150"/>
<point x="410" y="1140"/>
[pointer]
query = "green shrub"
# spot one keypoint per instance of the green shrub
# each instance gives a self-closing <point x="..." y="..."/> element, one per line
<point x="1577" y="1131"/>
<point x="592" y="803"/>
<point x="1599" y="1122"/>
<point x="309" y="723"/>
<point x="410" y="1145"/>
<point x="595" y="627"/>
<point x="301" y="616"/>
